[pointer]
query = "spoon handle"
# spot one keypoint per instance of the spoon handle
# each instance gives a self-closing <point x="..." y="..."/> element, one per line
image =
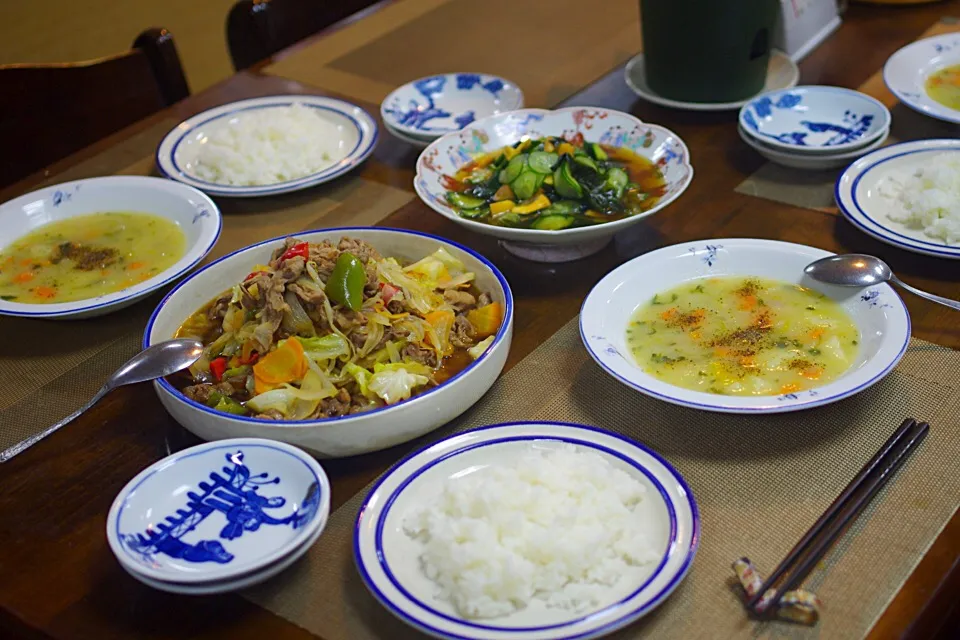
<point x="37" y="437"/>
<point x="947" y="302"/>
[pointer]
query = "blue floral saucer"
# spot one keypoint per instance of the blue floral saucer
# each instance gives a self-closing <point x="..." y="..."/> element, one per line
<point x="218" y="510"/>
<point x="431" y="107"/>
<point x="815" y="119"/>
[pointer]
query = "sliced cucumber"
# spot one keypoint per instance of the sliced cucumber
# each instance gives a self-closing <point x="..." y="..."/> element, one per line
<point x="509" y="220"/>
<point x="617" y="179"/>
<point x="563" y="207"/>
<point x="463" y="201"/>
<point x="565" y="184"/>
<point x="526" y="184"/>
<point x="514" y="168"/>
<point x="553" y="222"/>
<point x="473" y="214"/>
<point x="597" y="151"/>
<point x="586" y="161"/>
<point x="542" y="161"/>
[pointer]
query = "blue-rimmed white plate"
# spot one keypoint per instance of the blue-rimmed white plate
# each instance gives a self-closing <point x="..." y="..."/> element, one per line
<point x="351" y="138"/>
<point x="866" y="195"/>
<point x="431" y="107"/>
<point x="906" y="73"/>
<point x="388" y="559"/>
<point x="877" y="311"/>
<point x="218" y="511"/>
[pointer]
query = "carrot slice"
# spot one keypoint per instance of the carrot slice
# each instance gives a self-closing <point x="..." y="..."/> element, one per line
<point x="486" y="320"/>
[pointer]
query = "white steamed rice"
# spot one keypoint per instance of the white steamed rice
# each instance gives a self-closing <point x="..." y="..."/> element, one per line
<point x="928" y="198"/>
<point x="266" y="146"/>
<point x="560" y="526"/>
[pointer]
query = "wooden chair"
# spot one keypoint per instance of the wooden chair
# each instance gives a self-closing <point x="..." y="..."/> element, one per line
<point x="257" y="29"/>
<point x="49" y="111"/>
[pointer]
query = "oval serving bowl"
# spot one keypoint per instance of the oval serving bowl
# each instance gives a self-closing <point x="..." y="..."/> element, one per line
<point x="878" y="312"/>
<point x="814" y="120"/>
<point x="430" y="107"/>
<point x="658" y="144"/>
<point x="218" y="511"/>
<point x="860" y="195"/>
<point x="345" y="435"/>
<point x="177" y="152"/>
<point x="388" y="560"/>
<point x="906" y="71"/>
<point x="196" y="215"/>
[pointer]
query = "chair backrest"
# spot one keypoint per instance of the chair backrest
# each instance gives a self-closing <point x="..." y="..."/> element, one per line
<point x="49" y="111"/>
<point x="257" y="29"/>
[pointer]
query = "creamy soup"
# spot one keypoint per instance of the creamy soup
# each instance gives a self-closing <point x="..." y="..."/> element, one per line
<point x="743" y="336"/>
<point x="944" y="86"/>
<point x="88" y="256"/>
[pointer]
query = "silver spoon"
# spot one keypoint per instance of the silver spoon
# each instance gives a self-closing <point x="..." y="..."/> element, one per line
<point x="155" y="361"/>
<point x="858" y="270"/>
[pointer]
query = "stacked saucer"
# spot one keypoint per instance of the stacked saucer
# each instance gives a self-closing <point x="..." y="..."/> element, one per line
<point x="220" y="516"/>
<point x="814" y="127"/>
<point x="424" y="110"/>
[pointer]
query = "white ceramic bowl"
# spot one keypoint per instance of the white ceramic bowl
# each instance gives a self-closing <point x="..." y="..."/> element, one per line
<point x="436" y="105"/>
<point x="388" y="560"/>
<point x="859" y="195"/>
<point x="907" y="70"/>
<point x="196" y="215"/>
<point x="810" y="162"/>
<point x="878" y="312"/>
<point x="411" y="140"/>
<point x="357" y="136"/>
<point x="218" y="511"/>
<point x="352" y="434"/>
<point x="442" y="158"/>
<point x="814" y="120"/>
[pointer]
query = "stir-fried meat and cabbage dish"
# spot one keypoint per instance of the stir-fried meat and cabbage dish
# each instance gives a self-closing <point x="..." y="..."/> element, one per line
<point x="328" y="330"/>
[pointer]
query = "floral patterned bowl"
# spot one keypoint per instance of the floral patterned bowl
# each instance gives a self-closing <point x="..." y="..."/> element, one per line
<point x="658" y="144"/>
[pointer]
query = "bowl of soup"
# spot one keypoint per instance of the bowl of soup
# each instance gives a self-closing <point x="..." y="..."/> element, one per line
<point x="291" y="355"/>
<point x="89" y="247"/>
<point x="553" y="185"/>
<point x="734" y="325"/>
<point x="925" y="76"/>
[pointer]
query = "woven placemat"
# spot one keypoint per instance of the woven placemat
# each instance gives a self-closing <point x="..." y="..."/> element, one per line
<point x="550" y="48"/>
<point x="814" y="189"/>
<point x="760" y="482"/>
<point x="55" y="366"/>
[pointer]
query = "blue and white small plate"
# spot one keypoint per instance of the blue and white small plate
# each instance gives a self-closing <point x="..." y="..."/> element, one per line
<point x="431" y="107"/>
<point x="907" y="70"/>
<point x="863" y="196"/>
<point x="218" y="511"/>
<point x="815" y="119"/>
<point x="878" y="312"/>
<point x="355" y="140"/>
<point x="388" y="559"/>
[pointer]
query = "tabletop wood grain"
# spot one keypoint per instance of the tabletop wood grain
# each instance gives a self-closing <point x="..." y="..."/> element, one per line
<point x="58" y="578"/>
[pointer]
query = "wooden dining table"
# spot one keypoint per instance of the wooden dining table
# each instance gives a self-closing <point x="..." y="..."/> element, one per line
<point x="57" y="576"/>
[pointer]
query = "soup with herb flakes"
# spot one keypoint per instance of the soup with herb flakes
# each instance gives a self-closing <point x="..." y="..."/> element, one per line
<point x="88" y="256"/>
<point x="743" y="336"/>
<point x="944" y="86"/>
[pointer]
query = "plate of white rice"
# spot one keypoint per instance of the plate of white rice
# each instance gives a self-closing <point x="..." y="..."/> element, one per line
<point x="526" y="531"/>
<point x="268" y="146"/>
<point x="907" y="195"/>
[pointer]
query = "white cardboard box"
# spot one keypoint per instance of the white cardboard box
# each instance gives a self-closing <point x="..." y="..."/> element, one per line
<point x="803" y="25"/>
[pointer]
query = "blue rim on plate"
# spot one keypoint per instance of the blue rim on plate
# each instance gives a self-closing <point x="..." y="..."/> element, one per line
<point x="884" y="232"/>
<point x="613" y="625"/>
<point x="97" y="305"/>
<point x="365" y="126"/>
<point x="507" y="316"/>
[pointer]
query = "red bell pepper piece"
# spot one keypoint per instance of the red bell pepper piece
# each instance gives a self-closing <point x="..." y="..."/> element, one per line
<point x="217" y="367"/>
<point x="251" y="360"/>
<point x="387" y="291"/>
<point x="301" y="249"/>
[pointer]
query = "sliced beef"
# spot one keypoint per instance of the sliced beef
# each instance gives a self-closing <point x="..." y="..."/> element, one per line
<point x="271" y="315"/>
<point x="291" y="268"/>
<point x="309" y="295"/>
<point x="462" y="334"/>
<point x="338" y="405"/>
<point x="347" y="320"/>
<point x="202" y="392"/>
<point x="270" y="414"/>
<point x="396" y="306"/>
<point x="459" y="300"/>
<point x="423" y="356"/>
<point x="288" y="243"/>
<point x="359" y="248"/>
<point x="219" y="308"/>
<point x="483" y="299"/>
<point x="324" y="255"/>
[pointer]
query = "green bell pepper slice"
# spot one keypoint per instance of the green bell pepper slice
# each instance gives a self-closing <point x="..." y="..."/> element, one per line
<point x="346" y="282"/>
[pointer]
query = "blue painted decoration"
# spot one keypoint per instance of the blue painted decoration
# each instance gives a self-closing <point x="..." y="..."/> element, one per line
<point x="235" y="495"/>
<point x="418" y="112"/>
<point x="851" y="127"/>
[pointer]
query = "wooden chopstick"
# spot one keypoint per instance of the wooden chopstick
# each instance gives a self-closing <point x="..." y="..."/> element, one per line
<point x="872" y="486"/>
<point x="860" y="481"/>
